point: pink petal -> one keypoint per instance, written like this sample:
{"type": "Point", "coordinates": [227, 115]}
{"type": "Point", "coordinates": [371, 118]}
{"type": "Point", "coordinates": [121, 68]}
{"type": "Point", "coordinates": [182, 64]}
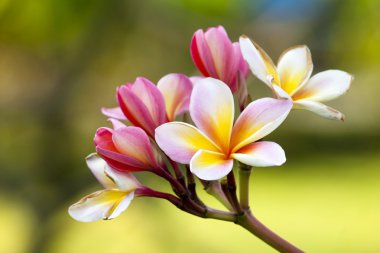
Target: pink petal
{"type": "Point", "coordinates": [133, 142]}
{"type": "Point", "coordinates": [103, 134]}
{"type": "Point", "coordinates": [223, 55]}
{"type": "Point", "coordinates": [115, 113]}
{"type": "Point", "coordinates": [325, 86]}
{"type": "Point", "coordinates": [212, 110]}
{"type": "Point", "coordinates": [180, 141]}
{"type": "Point", "coordinates": [135, 110]}
{"type": "Point", "coordinates": [151, 97]}
{"type": "Point", "coordinates": [259, 119]}
{"type": "Point", "coordinates": [320, 109]}
{"type": "Point", "coordinates": [200, 52]}
{"type": "Point", "coordinates": [261, 154]}
{"type": "Point", "coordinates": [176, 90]}
{"type": "Point", "coordinates": [294, 68]}
{"type": "Point", "coordinates": [209, 165]}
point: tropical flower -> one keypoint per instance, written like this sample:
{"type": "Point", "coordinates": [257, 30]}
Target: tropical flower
{"type": "Point", "coordinates": [291, 78]}
{"type": "Point", "coordinates": [126, 148]}
{"type": "Point", "coordinates": [216, 56]}
{"type": "Point", "coordinates": [147, 106]}
{"type": "Point", "coordinates": [108, 203]}
{"type": "Point", "coordinates": [211, 147]}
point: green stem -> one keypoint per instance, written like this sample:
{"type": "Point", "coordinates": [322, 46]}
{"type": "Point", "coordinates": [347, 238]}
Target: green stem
{"type": "Point", "coordinates": [215, 189]}
{"type": "Point", "coordinates": [244, 175]}
{"type": "Point", "coordinates": [220, 215]}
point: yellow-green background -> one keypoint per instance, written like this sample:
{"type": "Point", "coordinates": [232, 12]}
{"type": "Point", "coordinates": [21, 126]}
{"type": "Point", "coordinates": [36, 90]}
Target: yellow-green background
{"type": "Point", "coordinates": [60, 62]}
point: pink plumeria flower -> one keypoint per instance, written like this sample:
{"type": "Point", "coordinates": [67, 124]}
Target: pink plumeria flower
{"type": "Point", "coordinates": [216, 56]}
{"type": "Point", "coordinates": [147, 106]}
{"type": "Point", "coordinates": [211, 147]}
{"type": "Point", "coordinates": [108, 203]}
{"type": "Point", "coordinates": [291, 78]}
{"type": "Point", "coordinates": [126, 148]}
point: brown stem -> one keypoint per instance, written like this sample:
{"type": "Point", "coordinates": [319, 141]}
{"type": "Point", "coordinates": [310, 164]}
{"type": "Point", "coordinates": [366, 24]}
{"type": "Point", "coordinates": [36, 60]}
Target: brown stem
{"type": "Point", "coordinates": [249, 222]}
{"type": "Point", "coordinates": [231, 184]}
{"type": "Point", "coordinates": [192, 186]}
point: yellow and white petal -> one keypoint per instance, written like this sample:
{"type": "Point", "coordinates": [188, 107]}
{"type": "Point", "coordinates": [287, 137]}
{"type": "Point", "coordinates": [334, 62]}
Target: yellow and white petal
{"type": "Point", "coordinates": [259, 62]}
{"type": "Point", "coordinates": [209, 165]}
{"type": "Point", "coordinates": [124, 181]}
{"type": "Point", "coordinates": [105, 204]}
{"type": "Point", "coordinates": [259, 119]}
{"type": "Point", "coordinates": [98, 166]}
{"type": "Point", "coordinates": [180, 141]}
{"type": "Point", "coordinates": [320, 109]}
{"type": "Point", "coordinates": [261, 154]}
{"type": "Point", "coordinates": [325, 86]}
{"type": "Point", "coordinates": [294, 68]}
{"type": "Point", "coordinates": [212, 110]}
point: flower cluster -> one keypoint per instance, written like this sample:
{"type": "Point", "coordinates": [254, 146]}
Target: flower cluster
{"type": "Point", "coordinates": [186, 126]}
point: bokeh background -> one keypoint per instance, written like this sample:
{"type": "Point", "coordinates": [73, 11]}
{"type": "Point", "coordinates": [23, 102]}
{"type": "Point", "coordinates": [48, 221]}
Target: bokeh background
{"type": "Point", "coordinates": [60, 62]}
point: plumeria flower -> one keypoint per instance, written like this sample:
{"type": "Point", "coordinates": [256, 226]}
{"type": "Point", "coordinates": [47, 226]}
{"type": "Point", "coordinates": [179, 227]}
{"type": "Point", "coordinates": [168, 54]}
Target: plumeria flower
{"type": "Point", "coordinates": [108, 203]}
{"type": "Point", "coordinates": [147, 106]}
{"type": "Point", "coordinates": [291, 78]}
{"type": "Point", "coordinates": [216, 56]}
{"type": "Point", "coordinates": [216, 141]}
{"type": "Point", "coordinates": [126, 148]}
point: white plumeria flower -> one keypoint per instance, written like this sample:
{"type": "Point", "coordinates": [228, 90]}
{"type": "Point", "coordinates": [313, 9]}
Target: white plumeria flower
{"type": "Point", "coordinates": [108, 203]}
{"type": "Point", "coordinates": [291, 78]}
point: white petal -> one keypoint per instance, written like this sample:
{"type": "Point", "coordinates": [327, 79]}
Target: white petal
{"type": "Point", "coordinates": [97, 166]}
{"type": "Point", "coordinates": [320, 109]}
{"type": "Point", "coordinates": [294, 68]}
{"type": "Point", "coordinates": [105, 204]}
{"type": "Point", "coordinates": [325, 86]}
{"type": "Point", "coordinates": [259, 62]}
{"type": "Point", "coordinates": [261, 154]}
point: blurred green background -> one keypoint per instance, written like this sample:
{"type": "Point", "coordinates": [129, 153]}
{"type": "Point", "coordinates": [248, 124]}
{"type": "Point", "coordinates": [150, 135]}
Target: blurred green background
{"type": "Point", "coordinates": [60, 62]}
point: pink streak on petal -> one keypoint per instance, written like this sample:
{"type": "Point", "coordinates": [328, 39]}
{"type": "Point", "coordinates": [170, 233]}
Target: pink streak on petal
{"type": "Point", "coordinates": [151, 97]}
{"type": "Point", "coordinates": [201, 54]}
{"type": "Point", "coordinates": [134, 142]}
{"type": "Point", "coordinates": [116, 123]}
{"type": "Point", "coordinates": [103, 134]}
{"type": "Point", "coordinates": [135, 110]}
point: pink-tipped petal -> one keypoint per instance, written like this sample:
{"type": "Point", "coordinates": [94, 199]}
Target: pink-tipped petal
{"type": "Point", "coordinates": [176, 90]}
{"type": "Point", "coordinates": [103, 134]}
{"type": "Point", "coordinates": [320, 109]}
{"type": "Point", "coordinates": [105, 204]}
{"type": "Point", "coordinates": [115, 113]}
{"type": "Point", "coordinates": [223, 55]}
{"type": "Point", "coordinates": [116, 160]}
{"type": "Point", "coordinates": [209, 165]}
{"type": "Point", "coordinates": [325, 86]}
{"type": "Point", "coordinates": [134, 142]}
{"type": "Point", "coordinates": [180, 141]}
{"type": "Point", "coordinates": [151, 97]}
{"type": "Point", "coordinates": [259, 62]}
{"type": "Point", "coordinates": [135, 110]}
{"type": "Point", "coordinates": [294, 68]}
{"type": "Point", "coordinates": [259, 119]}
{"type": "Point", "coordinates": [261, 154]}
{"type": "Point", "coordinates": [200, 52]}
{"type": "Point", "coordinates": [212, 110]}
